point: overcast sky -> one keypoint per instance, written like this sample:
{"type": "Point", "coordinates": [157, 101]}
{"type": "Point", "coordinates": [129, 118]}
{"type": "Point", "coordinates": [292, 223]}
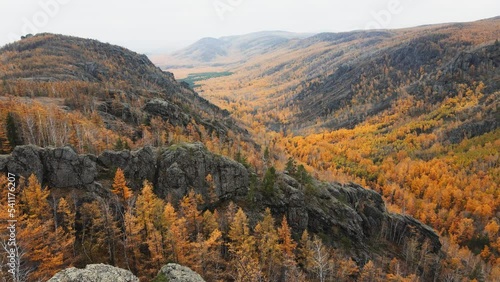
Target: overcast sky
{"type": "Point", "coordinates": [152, 25]}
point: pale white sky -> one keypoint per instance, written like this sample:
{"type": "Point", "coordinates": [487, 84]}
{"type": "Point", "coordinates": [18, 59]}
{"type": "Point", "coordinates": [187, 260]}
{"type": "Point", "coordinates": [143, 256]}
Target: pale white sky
{"type": "Point", "coordinates": [152, 25]}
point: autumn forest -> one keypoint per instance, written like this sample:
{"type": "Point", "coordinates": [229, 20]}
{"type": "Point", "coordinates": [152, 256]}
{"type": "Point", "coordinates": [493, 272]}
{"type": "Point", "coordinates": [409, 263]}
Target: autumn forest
{"type": "Point", "coordinates": [281, 136]}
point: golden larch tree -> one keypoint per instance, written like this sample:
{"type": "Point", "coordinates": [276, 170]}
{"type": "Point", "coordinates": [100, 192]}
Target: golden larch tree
{"type": "Point", "coordinates": [149, 218]}
{"type": "Point", "coordinates": [176, 240]}
{"type": "Point", "coordinates": [242, 248]}
{"type": "Point", "coordinates": [66, 231]}
{"type": "Point", "coordinates": [120, 187]}
{"type": "Point", "coordinates": [189, 210]}
{"type": "Point", "coordinates": [268, 248]}
{"type": "Point", "coordinates": [287, 247]}
{"type": "Point", "coordinates": [36, 227]}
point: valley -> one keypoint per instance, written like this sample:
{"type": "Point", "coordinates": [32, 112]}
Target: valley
{"type": "Point", "coordinates": [271, 156]}
{"type": "Point", "coordinates": [412, 113]}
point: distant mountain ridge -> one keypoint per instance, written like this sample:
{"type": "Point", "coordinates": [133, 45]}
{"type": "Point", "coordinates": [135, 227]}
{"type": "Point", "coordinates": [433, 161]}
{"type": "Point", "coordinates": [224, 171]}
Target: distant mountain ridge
{"type": "Point", "coordinates": [386, 103]}
{"type": "Point", "coordinates": [325, 75]}
{"type": "Point", "coordinates": [230, 49]}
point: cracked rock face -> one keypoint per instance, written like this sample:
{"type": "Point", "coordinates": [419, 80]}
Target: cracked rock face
{"type": "Point", "coordinates": [26, 160]}
{"type": "Point", "coordinates": [290, 200]}
{"type": "Point", "coordinates": [94, 273]}
{"type": "Point", "coordinates": [65, 168]}
{"type": "Point", "coordinates": [353, 217]}
{"type": "Point", "coordinates": [173, 171]}
{"type": "Point", "coordinates": [57, 167]}
{"type": "Point", "coordinates": [166, 110]}
{"type": "Point", "coordinates": [137, 165]}
{"type": "Point", "coordinates": [185, 167]}
{"type": "Point", "coordinates": [349, 214]}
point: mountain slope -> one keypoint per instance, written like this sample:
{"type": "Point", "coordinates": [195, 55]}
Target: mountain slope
{"type": "Point", "coordinates": [204, 50]}
{"type": "Point", "coordinates": [324, 77]}
{"type": "Point", "coordinates": [48, 57]}
{"type": "Point", "coordinates": [413, 113]}
{"type": "Point", "coordinates": [350, 218]}
{"type": "Point", "coordinates": [111, 85]}
{"type": "Point", "coordinates": [167, 200]}
{"type": "Point", "coordinates": [420, 61]}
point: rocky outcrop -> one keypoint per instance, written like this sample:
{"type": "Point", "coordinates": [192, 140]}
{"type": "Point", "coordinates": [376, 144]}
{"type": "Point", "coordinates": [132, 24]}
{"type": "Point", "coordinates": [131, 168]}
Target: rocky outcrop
{"type": "Point", "coordinates": [94, 273]}
{"type": "Point", "coordinates": [137, 165]}
{"type": "Point", "coordinates": [177, 273]}
{"type": "Point", "coordinates": [63, 167]}
{"type": "Point", "coordinates": [56, 167]}
{"type": "Point", "coordinates": [25, 160]}
{"type": "Point", "coordinates": [174, 170]}
{"type": "Point", "coordinates": [289, 200]}
{"type": "Point", "coordinates": [181, 168]}
{"type": "Point", "coordinates": [167, 111]}
{"type": "Point", "coordinates": [376, 223]}
{"type": "Point", "coordinates": [350, 216]}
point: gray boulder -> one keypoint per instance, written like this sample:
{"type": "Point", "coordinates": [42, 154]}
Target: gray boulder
{"type": "Point", "coordinates": [56, 167]}
{"type": "Point", "coordinates": [4, 160]}
{"type": "Point", "coordinates": [94, 273]}
{"type": "Point", "coordinates": [177, 273]}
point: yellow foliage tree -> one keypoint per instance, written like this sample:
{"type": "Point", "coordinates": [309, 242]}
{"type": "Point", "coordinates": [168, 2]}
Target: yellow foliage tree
{"type": "Point", "coordinates": [37, 230]}
{"type": "Point", "coordinates": [370, 273]}
{"type": "Point", "coordinates": [149, 213]}
{"type": "Point", "coordinates": [120, 187]}
{"type": "Point", "coordinates": [287, 247]}
{"type": "Point", "coordinates": [242, 248]}
{"type": "Point", "coordinates": [189, 210]}
{"type": "Point", "coordinates": [66, 231]}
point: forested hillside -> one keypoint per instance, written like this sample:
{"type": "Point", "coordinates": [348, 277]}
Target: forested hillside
{"type": "Point", "coordinates": [58, 90]}
{"type": "Point", "coordinates": [116, 162]}
{"type": "Point", "coordinates": [412, 113]}
{"type": "Point", "coordinates": [141, 209]}
{"type": "Point", "coordinates": [253, 179]}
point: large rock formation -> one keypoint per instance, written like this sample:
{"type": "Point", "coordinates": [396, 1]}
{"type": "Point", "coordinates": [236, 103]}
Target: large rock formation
{"type": "Point", "coordinates": [349, 216]}
{"type": "Point", "coordinates": [185, 167]}
{"type": "Point", "coordinates": [177, 273]}
{"type": "Point", "coordinates": [137, 165]}
{"type": "Point", "coordinates": [25, 160]}
{"type": "Point", "coordinates": [64, 168]}
{"type": "Point", "coordinates": [94, 273]}
{"type": "Point", "coordinates": [174, 170]}
{"type": "Point", "coordinates": [352, 217]}
{"type": "Point", "coordinates": [56, 167]}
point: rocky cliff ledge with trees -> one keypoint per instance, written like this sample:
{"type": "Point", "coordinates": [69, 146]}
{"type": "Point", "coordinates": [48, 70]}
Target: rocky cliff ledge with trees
{"type": "Point", "coordinates": [141, 209]}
